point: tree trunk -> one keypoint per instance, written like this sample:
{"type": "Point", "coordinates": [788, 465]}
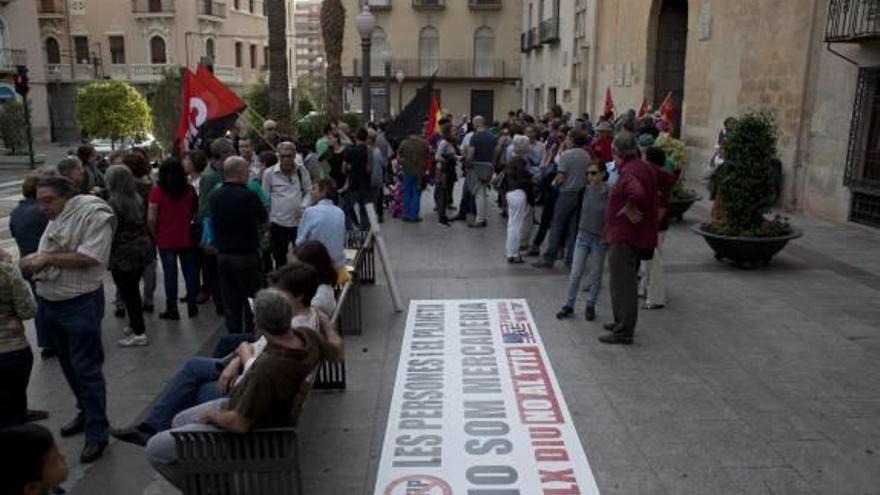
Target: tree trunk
{"type": "Point", "coordinates": [333, 29]}
{"type": "Point", "coordinates": [279, 90]}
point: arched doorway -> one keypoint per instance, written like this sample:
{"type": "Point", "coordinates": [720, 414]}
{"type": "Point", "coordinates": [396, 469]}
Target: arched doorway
{"type": "Point", "coordinates": [670, 50]}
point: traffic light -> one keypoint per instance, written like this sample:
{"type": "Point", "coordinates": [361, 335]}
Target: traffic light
{"type": "Point", "coordinates": [21, 80]}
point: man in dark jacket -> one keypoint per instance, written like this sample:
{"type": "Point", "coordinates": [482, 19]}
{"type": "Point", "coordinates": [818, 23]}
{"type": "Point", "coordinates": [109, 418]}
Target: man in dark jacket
{"type": "Point", "coordinates": [236, 214]}
{"type": "Point", "coordinates": [631, 233]}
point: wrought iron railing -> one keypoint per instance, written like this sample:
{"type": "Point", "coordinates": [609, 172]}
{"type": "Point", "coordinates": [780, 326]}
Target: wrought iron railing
{"type": "Point", "coordinates": [550, 30]}
{"type": "Point", "coordinates": [146, 7]}
{"type": "Point", "coordinates": [212, 8]}
{"type": "Point", "coordinates": [850, 20]}
{"type": "Point", "coordinates": [429, 4]}
{"type": "Point", "coordinates": [485, 4]}
{"type": "Point", "coordinates": [534, 40]}
{"type": "Point", "coordinates": [450, 68]}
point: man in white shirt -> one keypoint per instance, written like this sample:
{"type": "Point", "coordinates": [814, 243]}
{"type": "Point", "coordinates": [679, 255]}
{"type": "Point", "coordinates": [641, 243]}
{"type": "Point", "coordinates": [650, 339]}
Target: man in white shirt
{"type": "Point", "coordinates": [288, 186]}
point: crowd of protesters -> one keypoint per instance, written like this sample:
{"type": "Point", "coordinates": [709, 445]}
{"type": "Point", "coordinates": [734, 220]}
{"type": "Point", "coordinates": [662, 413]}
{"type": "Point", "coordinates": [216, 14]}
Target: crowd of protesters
{"type": "Point", "coordinates": [251, 211]}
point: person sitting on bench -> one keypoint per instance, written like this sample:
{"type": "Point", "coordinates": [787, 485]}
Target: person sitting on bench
{"type": "Point", "coordinates": [265, 396]}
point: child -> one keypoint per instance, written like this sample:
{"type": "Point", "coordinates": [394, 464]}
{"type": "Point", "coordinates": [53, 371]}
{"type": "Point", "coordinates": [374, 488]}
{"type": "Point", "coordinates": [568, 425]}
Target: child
{"type": "Point", "coordinates": [30, 463]}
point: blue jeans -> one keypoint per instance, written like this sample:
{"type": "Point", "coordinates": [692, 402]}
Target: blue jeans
{"type": "Point", "coordinates": [566, 213]}
{"type": "Point", "coordinates": [195, 383]}
{"type": "Point", "coordinates": [412, 197]}
{"type": "Point", "coordinates": [229, 343]}
{"type": "Point", "coordinates": [75, 325]}
{"type": "Point", "coordinates": [587, 247]}
{"type": "Point", "coordinates": [169, 259]}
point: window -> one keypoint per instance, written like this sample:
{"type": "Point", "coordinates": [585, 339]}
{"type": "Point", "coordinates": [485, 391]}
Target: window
{"type": "Point", "coordinates": [266, 56]}
{"type": "Point", "coordinates": [531, 16]}
{"type": "Point", "coordinates": [429, 48]}
{"type": "Point", "coordinates": [209, 49]}
{"type": "Point", "coordinates": [484, 52]}
{"type": "Point", "coordinates": [379, 43]}
{"type": "Point", "coordinates": [238, 55]}
{"type": "Point", "coordinates": [53, 51]}
{"type": "Point", "coordinates": [117, 49]}
{"type": "Point", "coordinates": [157, 51]}
{"type": "Point", "coordinates": [81, 49]}
{"type": "Point", "coordinates": [251, 6]}
{"type": "Point", "coordinates": [540, 10]}
{"type": "Point", "coordinates": [236, 4]}
{"type": "Point", "coordinates": [253, 56]}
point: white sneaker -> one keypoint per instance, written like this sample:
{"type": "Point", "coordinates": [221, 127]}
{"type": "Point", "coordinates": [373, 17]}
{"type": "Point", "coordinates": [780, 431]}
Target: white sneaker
{"type": "Point", "coordinates": [133, 341]}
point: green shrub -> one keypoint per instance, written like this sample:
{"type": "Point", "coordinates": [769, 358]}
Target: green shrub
{"type": "Point", "coordinates": [12, 127]}
{"type": "Point", "coordinates": [112, 110]}
{"type": "Point", "coordinates": [311, 129]}
{"type": "Point", "coordinates": [748, 183]}
{"type": "Point", "coordinates": [164, 100]}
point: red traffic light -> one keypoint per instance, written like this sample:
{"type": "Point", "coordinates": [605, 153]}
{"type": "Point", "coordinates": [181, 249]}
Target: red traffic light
{"type": "Point", "coordinates": [21, 81]}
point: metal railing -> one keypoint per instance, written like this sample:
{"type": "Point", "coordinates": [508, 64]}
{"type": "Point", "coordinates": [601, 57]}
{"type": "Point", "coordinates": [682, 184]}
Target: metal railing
{"type": "Point", "coordinates": [10, 58]}
{"type": "Point", "coordinates": [377, 4]}
{"type": "Point", "coordinates": [429, 4]}
{"type": "Point", "coordinates": [450, 68]}
{"type": "Point", "coordinates": [534, 41]}
{"type": "Point", "coordinates": [549, 30]}
{"type": "Point", "coordinates": [212, 8]}
{"type": "Point", "coordinates": [485, 4]}
{"type": "Point", "coordinates": [146, 7]}
{"type": "Point", "coordinates": [850, 20]}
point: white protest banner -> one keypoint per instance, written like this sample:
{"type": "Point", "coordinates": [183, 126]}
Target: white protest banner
{"type": "Point", "coordinates": [477, 409]}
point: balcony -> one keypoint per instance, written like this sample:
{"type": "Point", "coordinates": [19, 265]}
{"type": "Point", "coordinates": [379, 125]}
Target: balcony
{"type": "Point", "coordinates": [61, 72]}
{"type": "Point", "coordinates": [484, 4]}
{"type": "Point", "coordinates": [377, 4]}
{"type": "Point", "coordinates": [429, 4]}
{"type": "Point", "coordinates": [10, 59]}
{"type": "Point", "coordinates": [534, 41]}
{"type": "Point", "coordinates": [211, 10]}
{"type": "Point", "coordinates": [50, 9]}
{"type": "Point", "coordinates": [852, 20]}
{"type": "Point", "coordinates": [152, 8]}
{"type": "Point", "coordinates": [529, 40]}
{"type": "Point", "coordinates": [549, 30]}
{"type": "Point", "coordinates": [460, 69]}
{"type": "Point", "coordinates": [239, 75]}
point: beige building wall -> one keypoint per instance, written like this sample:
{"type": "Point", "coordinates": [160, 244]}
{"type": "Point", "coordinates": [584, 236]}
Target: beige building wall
{"type": "Point", "coordinates": [561, 67]}
{"type": "Point", "coordinates": [19, 31]}
{"type": "Point", "coordinates": [744, 55]}
{"type": "Point", "coordinates": [456, 24]}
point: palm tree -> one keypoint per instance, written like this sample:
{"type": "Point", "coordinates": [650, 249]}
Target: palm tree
{"type": "Point", "coordinates": [279, 90]}
{"type": "Point", "coordinates": [333, 29]}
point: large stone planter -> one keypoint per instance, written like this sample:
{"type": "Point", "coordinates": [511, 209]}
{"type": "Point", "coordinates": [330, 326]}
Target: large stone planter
{"type": "Point", "coordinates": [746, 252]}
{"type": "Point", "coordinates": [679, 206]}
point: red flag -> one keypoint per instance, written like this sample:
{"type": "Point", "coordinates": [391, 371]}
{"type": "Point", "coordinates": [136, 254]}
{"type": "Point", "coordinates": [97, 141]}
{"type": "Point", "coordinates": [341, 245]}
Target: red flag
{"type": "Point", "coordinates": [434, 116]}
{"type": "Point", "coordinates": [208, 107]}
{"type": "Point", "coordinates": [667, 110]}
{"type": "Point", "coordinates": [645, 108]}
{"type": "Point", "coordinates": [609, 101]}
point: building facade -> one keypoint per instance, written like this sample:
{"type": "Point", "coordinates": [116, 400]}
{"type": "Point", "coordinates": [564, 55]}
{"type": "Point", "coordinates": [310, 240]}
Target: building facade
{"type": "Point", "coordinates": [137, 40]}
{"type": "Point", "coordinates": [308, 45]}
{"type": "Point", "coordinates": [471, 45]}
{"type": "Point", "coordinates": [813, 63]}
{"type": "Point", "coordinates": [556, 55]}
{"type": "Point", "coordinates": [20, 45]}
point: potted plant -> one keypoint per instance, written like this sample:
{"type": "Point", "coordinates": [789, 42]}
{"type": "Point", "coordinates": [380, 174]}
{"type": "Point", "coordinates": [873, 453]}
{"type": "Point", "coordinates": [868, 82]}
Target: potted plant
{"type": "Point", "coordinates": [747, 186]}
{"type": "Point", "coordinates": [681, 198]}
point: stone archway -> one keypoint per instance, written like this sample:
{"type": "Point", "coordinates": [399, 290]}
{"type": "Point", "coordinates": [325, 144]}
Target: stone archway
{"type": "Point", "coordinates": [667, 50]}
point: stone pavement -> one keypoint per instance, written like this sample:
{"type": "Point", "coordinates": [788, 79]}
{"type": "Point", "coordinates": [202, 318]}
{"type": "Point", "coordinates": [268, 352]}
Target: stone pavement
{"type": "Point", "coordinates": [749, 382]}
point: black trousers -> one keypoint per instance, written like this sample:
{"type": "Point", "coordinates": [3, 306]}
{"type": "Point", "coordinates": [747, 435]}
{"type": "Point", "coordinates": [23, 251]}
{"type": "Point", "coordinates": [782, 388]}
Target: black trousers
{"type": "Point", "coordinates": [210, 279]}
{"type": "Point", "coordinates": [128, 283]}
{"type": "Point", "coordinates": [548, 195]}
{"type": "Point", "coordinates": [623, 261]}
{"type": "Point", "coordinates": [280, 240]}
{"type": "Point", "coordinates": [240, 278]}
{"type": "Point", "coordinates": [15, 372]}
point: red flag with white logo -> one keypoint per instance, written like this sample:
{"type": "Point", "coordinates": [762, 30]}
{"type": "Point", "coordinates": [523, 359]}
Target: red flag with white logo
{"type": "Point", "coordinates": [209, 109]}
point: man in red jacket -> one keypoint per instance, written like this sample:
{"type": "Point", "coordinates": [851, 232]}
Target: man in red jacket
{"type": "Point", "coordinates": [631, 233]}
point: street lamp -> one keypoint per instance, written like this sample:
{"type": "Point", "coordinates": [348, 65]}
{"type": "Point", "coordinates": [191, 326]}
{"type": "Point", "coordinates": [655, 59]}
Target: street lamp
{"type": "Point", "coordinates": [399, 77]}
{"type": "Point", "coordinates": [365, 22]}
{"type": "Point", "coordinates": [386, 59]}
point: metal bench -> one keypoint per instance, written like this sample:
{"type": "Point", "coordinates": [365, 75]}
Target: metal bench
{"type": "Point", "coordinates": [264, 461]}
